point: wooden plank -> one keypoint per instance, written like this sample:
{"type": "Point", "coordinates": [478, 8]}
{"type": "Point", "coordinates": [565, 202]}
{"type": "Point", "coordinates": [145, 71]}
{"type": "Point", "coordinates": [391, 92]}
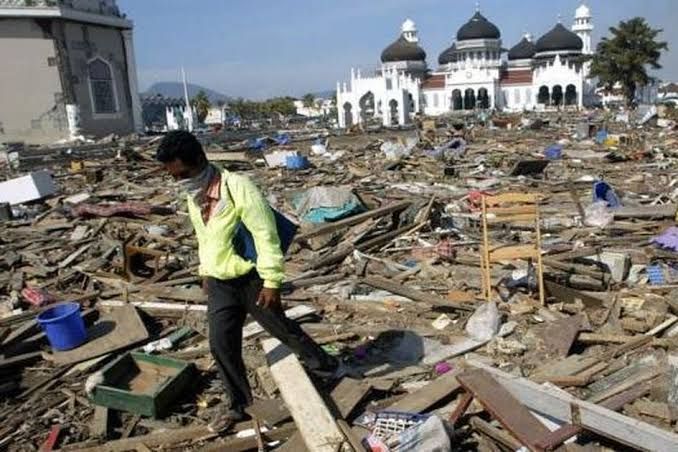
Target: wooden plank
{"type": "Point", "coordinates": [513, 210]}
{"type": "Point", "coordinates": [313, 419]}
{"type": "Point", "coordinates": [348, 394]}
{"type": "Point", "coordinates": [29, 328]}
{"type": "Point", "coordinates": [647, 212]}
{"type": "Point", "coordinates": [615, 403]}
{"type": "Point", "coordinates": [559, 336]}
{"type": "Point", "coordinates": [116, 330]}
{"type": "Point", "coordinates": [461, 408]}
{"type": "Point", "coordinates": [101, 422]}
{"type": "Point", "coordinates": [424, 398]}
{"type": "Point", "coordinates": [640, 376]}
{"type": "Point", "coordinates": [503, 198]}
{"type": "Point", "coordinates": [413, 294]}
{"type": "Point", "coordinates": [595, 338]}
{"type": "Point", "coordinates": [568, 295]}
{"type": "Point", "coordinates": [355, 219]}
{"type": "Point", "coordinates": [504, 407]}
{"type": "Point", "coordinates": [20, 360]}
{"type": "Point", "coordinates": [351, 437]}
{"type": "Point", "coordinates": [514, 252]}
{"type": "Point", "coordinates": [568, 409]}
{"type": "Point", "coordinates": [497, 435]}
{"type": "Point", "coordinates": [514, 218]}
{"type": "Point", "coordinates": [164, 438]}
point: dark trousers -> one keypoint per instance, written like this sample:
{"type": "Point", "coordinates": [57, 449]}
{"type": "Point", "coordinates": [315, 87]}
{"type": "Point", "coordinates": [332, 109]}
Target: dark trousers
{"type": "Point", "coordinates": [229, 302]}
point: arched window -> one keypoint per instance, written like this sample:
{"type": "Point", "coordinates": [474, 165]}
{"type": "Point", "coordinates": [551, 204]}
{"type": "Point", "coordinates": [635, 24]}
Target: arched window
{"type": "Point", "coordinates": [102, 87]}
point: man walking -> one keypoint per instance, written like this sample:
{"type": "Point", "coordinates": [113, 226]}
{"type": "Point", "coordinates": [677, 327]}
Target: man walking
{"type": "Point", "coordinates": [217, 202]}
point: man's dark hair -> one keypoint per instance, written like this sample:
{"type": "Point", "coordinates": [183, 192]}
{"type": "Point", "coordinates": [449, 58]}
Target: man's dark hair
{"type": "Point", "coordinates": [181, 145]}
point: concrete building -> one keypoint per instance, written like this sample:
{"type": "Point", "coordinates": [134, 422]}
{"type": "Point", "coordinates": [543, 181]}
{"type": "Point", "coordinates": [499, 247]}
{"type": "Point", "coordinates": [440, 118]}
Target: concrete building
{"type": "Point", "coordinates": [472, 74]}
{"type": "Point", "coordinates": [68, 69]}
{"type": "Point", "coordinates": [217, 115]}
{"type": "Point", "coordinates": [320, 107]}
{"type": "Point", "coordinates": [163, 114]}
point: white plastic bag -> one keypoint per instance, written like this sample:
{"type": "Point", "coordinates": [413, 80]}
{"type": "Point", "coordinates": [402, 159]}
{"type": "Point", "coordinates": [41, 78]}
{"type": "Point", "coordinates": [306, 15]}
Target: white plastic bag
{"type": "Point", "coordinates": [598, 215]}
{"type": "Point", "coordinates": [484, 324]}
{"type": "Point", "coordinates": [430, 436]}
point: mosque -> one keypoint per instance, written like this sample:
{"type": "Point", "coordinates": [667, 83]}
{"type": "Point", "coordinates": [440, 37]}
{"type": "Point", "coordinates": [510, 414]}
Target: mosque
{"type": "Point", "coordinates": [473, 74]}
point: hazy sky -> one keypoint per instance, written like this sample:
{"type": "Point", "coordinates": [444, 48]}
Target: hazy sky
{"type": "Point", "coordinates": [264, 48]}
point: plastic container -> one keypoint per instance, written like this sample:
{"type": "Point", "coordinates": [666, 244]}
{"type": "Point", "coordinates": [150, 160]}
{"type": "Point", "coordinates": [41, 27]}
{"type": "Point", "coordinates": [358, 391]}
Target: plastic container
{"type": "Point", "coordinates": [296, 162]}
{"type": "Point", "coordinates": [63, 326]}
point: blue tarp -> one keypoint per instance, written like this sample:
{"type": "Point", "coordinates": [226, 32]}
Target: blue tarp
{"type": "Point", "coordinates": [282, 139]}
{"type": "Point", "coordinates": [257, 143]}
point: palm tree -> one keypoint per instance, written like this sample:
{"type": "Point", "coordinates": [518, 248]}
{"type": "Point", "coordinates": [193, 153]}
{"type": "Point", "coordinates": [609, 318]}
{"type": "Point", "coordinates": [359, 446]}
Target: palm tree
{"type": "Point", "coordinates": [308, 100]}
{"type": "Point", "coordinates": [201, 103]}
{"type": "Point", "coordinates": [624, 57]}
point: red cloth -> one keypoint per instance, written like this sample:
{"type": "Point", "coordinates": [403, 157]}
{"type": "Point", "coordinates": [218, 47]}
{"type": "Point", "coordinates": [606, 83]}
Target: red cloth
{"type": "Point", "coordinates": [475, 198]}
{"type": "Point", "coordinates": [37, 297]}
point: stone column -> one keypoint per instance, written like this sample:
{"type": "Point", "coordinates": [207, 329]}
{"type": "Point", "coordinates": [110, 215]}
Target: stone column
{"type": "Point", "coordinates": [132, 80]}
{"type": "Point", "coordinates": [73, 118]}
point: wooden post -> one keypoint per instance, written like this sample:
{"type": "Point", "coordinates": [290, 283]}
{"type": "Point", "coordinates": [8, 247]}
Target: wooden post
{"type": "Point", "coordinates": [540, 265]}
{"type": "Point", "coordinates": [485, 256]}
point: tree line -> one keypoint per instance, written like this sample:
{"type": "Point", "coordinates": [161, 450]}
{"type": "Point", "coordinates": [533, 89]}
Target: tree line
{"type": "Point", "coordinates": [245, 109]}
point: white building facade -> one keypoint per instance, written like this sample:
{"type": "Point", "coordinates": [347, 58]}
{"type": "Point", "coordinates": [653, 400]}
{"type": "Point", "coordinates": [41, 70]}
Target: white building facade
{"type": "Point", "coordinates": [472, 74]}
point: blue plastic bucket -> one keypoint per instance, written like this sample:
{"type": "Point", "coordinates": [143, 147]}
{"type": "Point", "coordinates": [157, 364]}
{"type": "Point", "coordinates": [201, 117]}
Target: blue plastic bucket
{"type": "Point", "coordinates": [297, 162]}
{"type": "Point", "coordinates": [63, 326]}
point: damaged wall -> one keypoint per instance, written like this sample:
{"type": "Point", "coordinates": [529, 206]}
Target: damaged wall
{"type": "Point", "coordinates": [46, 67]}
{"type": "Point", "coordinates": [84, 43]}
{"type": "Point", "coordinates": [30, 86]}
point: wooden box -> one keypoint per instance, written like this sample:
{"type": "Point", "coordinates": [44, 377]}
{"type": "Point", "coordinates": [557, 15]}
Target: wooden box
{"type": "Point", "coordinates": [142, 384]}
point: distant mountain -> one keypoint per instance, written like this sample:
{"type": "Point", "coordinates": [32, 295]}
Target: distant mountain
{"type": "Point", "coordinates": [176, 89]}
{"type": "Point", "coordinates": [325, 94]}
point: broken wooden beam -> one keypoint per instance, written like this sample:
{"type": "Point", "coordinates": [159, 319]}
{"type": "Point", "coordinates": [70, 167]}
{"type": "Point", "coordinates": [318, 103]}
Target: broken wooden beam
{"type": "Point", "coordinates": [504, 407]}
{"type": "Point", "coordinates": [312, 417]}
{"type": "Point", "coordinates": [615, 403]}
{"type": "Point", "coordinates": [496, 434]}
{"type": "Point", "coordinates": [566, 408]}
{"type": "Point", "coordinates": [424, 398]}
{"type": "Point", "coordinates": [413, 294]}
{"type": "Point", "coordinates": [164, 438]}
{"type": "Point", "coordinates": [595, 338]}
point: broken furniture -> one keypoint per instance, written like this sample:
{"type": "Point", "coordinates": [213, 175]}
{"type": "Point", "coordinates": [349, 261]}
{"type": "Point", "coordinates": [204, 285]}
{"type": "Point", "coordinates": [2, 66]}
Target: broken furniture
{"type": "Point", "coordinates": [142, 384]}
{"type": "Point", "coordinates": [135, 262]}
{"type": "Point", "coordinates": [510, 208]}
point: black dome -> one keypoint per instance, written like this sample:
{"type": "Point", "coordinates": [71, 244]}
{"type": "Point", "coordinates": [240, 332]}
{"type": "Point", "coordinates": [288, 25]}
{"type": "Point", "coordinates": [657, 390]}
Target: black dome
{"type": "Point", "coordinates": [478, 27]}
{"type": "Point", "coordinates": [523, 50]}
{"type": "Point", "coordinates": [559, 39]}
{"type": "Point", "coordinates": [448, 55]}
{"type": "Point", "coordinates": [403, 50]}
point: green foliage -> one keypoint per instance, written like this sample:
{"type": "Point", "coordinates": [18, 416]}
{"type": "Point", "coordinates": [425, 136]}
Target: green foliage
{"type": "Point", "coordinates": [201, 103]}
{"type": "Point", "coordinates": [248, 109]}
{"type": "Point", "coordinates": [308, 100]}
{"type": "Point", "coordinates": [625, 56]}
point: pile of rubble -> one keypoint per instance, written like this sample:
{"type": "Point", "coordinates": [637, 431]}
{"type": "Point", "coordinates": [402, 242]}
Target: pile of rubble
{"type": "Point", "coordinates": [390, 272]}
